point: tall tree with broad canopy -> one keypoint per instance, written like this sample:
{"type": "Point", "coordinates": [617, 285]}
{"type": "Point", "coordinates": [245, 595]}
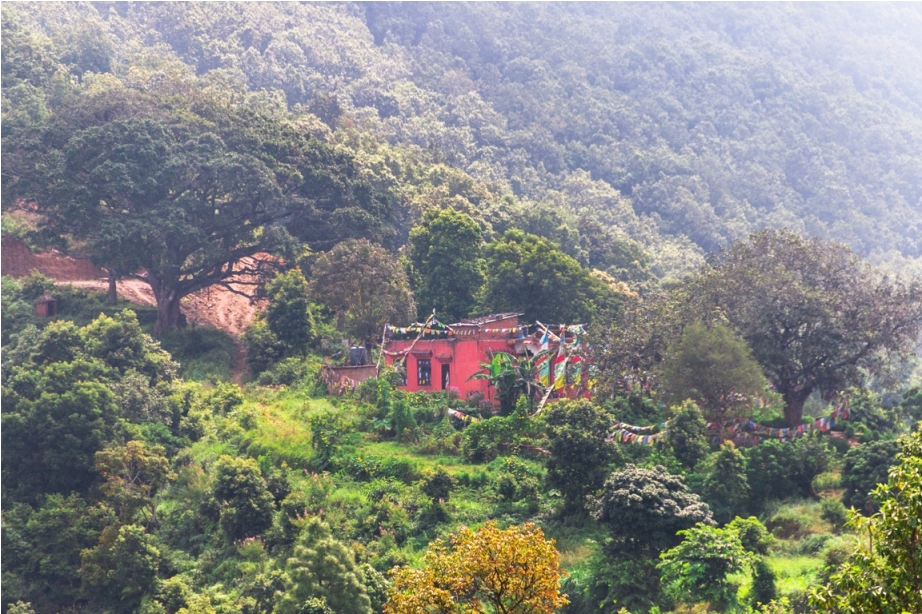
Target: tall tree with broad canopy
{"type": "Point", "coordinates": [815, 315]}
{"type": "Point", "coordinates": [715, 368]}
{"type": "Point", "coordinates": [364, 286]}
{"type": "Point", "coordinates": [187, 187]}
{"type": "Point", "coordinates": [446, 262]}
{"type": "Point", "coordinates": [530, 274]}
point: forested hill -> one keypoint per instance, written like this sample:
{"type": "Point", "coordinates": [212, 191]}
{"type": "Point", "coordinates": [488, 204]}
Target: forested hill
{"type": "Point", "coordinates": [682, 126]}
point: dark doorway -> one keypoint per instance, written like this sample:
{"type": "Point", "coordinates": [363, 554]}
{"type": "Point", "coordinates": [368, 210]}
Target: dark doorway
{"type": "Point", "coordinates": [445, 377]}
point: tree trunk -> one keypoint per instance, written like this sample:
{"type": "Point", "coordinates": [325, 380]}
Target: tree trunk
{"type": "Point", "coordinates": [169, 317]}
{"type": "Point", "coordinates": [112, 295]}
{"type": "Point", "coordinates": [794, 405]}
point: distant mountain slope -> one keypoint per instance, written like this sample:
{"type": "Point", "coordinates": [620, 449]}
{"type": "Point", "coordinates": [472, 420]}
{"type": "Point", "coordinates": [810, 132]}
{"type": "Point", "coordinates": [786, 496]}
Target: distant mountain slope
{"type": "Point", "coordinates": [682, 125]}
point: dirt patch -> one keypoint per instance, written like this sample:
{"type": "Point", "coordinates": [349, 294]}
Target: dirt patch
{"type": "Point", "coordinates": [17, 260]}
{"type": "Point", "coordinates": [216, 306]}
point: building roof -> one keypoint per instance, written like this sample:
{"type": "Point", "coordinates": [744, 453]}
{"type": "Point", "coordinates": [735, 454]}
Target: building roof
{"type": "Point", "coordinates": [493, 317]}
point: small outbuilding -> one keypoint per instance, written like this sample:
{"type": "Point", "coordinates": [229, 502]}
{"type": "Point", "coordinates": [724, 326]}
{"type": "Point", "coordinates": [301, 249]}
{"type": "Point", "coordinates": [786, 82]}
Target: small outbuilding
{"type": "Point", "coordinates": [46, 306]}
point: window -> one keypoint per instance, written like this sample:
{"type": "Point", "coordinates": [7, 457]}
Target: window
{"type": "Point", "coordinates": [424, 372]}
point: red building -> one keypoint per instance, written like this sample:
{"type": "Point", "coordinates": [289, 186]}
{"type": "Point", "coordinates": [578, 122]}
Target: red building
{"type": "Point", "coordinates": [439, 357]}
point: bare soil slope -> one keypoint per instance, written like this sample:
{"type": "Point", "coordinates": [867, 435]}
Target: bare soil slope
{"type": "Point", "coordinates": [213, 306]}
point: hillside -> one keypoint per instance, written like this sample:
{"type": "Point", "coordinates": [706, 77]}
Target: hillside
{"type": "Point", "coordinates": [519, 308]}
{"type": "Point", "coordinates": [683, 127]}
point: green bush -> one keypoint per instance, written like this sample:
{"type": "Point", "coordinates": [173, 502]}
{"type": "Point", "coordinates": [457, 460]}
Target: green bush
{"type": "Point", "coordinates": [515, 480]}
{"type": "Point", "coordinates": [764, 590]}
{"type": "Point", "coordinates": [865, 467]}
{"type": "Point", "coordinates": [811, 544]}
{"type": "Point", "coordinates": [437, 485]}
{"type": "Point", "coordinates": [834, 512]}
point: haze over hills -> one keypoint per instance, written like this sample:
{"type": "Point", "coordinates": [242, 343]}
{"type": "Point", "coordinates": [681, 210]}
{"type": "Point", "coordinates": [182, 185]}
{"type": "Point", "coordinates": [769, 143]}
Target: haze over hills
{"type": "Point", "coordinates": [680, 126]}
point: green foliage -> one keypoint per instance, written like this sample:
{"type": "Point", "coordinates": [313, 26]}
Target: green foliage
{"type": "Point", "coordinates": [325, 568]}
{"type": "Point", "coordinates": [446, 263]}
{"type": "Point", "coordinates": [241, 499]}
{"type": "Point", "coordinates": [263, 348]}
{"type": "Point", "coordinates": [725, 487]}
{"type": "Point", "coordinates": [122, 568]}
{"type": "Point", "coordinates": [18, 312]}
{"type": "Point", "coordinates": [834, 512]}
{"type": "Point", "coordinates": [764, 590]}
{"type": "Point", "coordinates": [622, 582]}
{"type": "Point", "coordinates": [485, 440]}
{"type": "Point", "coordinates": [151, 181]}
{"type": "Point", "coordinates": [327, 430]}
{"type": "Point", "coordinates": [865, 467]}
{"type": "Point", "coordinates": [783, 470]}
{"type": "Point", "coordinates": [529, 274]}
{"type": "Point", "coordinates": [288, 314]}
{"type": "Point", "coordinates": [753, 535]}
{"type": "Point", "coordinates": [437, 485]}
{"type": "Point", "coordinates": [688, 435]}
{"type": "Point", "coordinates": [912, 404]}
{"type": "Point", "coordinates": [402, 420]}
{"type": "Point", "coordinates": [516, 379]}
{"type": "Point", "coordinates": [810, 281]}
{"type": "Point", "coordinates": [516, 481]}
{"type": "Point", "coordinates": [363, 286]}
{"type": "Point", "coordinates": [698, 568]}
{"type": "Point", "coordinates": [581, 458]}
{"type": "Point", "coordinates": [715, 368]}
{"type": "Point", "coordinates": [868, 420]}
{"type": "Point", "coordinates": [645, 508]}
{"type": "Point", "coordinates": [884, 574]}
{"type": "Point", "coordinates": [55, 418]}
{"type": "Point", "coordinates": [204, 354]}
{"type": "Point", "coordinates": [42, 548]}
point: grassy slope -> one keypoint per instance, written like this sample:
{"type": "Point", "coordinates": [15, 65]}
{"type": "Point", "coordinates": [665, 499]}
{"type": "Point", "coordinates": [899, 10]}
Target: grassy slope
{"type": "Point", "coordinates": [282, 429]}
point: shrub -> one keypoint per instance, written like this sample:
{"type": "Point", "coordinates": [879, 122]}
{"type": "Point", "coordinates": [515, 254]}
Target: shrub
{"type": "Point", "coordinates": [437, 485]}
{"type": "Point", "coordinates": [580, 457]}
{"type": "Point", "coordinates": [865, 467]}
{"type": "Point", "coordinates": [726, 488]}
{"type": "Point", "coordinates": [263, 348]}
{"type": "Point", "coordinates": [516, 481]}
{"type": "Point", "coordinates": [834, 512]}
{"type": "Point", "coordinates": [688, 435]}
{"type": "Point", "coordinates": [753, 535]}
{"type": "Point", "coordinates": [764, 590]}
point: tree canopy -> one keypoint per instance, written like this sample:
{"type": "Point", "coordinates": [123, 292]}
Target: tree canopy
{"type": "Point", "coordinates": [445, 257]}
{"type": "Point", "coordinates": [515, 570]}
{"type": "Point", "coordinates": [187, 188]}
{"type": "Point", "coordinates": [814, 314]}
{"type": "Point", "coordinates": [363, 286]}
{"type": "Point", "coordinates": [530, 274]}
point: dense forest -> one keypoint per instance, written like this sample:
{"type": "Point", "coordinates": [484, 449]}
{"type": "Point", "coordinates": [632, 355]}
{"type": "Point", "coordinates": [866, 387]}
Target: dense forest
{"type": "Point", "coordinates": [727, 198]}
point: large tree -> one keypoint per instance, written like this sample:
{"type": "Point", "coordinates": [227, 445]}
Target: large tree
{"type": "Point", "coordinates": [531, 274]}
{"type": "Point", "coordinates": [447, 266]}
{"type": "Point", "coordinates": [815, 315]}
{"type": "Point", "coordinates": [715, 368]}
{"type": "Point", "coordinates": [184, 189]}
{"type": "Point", "coordinates": [364, 286]}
